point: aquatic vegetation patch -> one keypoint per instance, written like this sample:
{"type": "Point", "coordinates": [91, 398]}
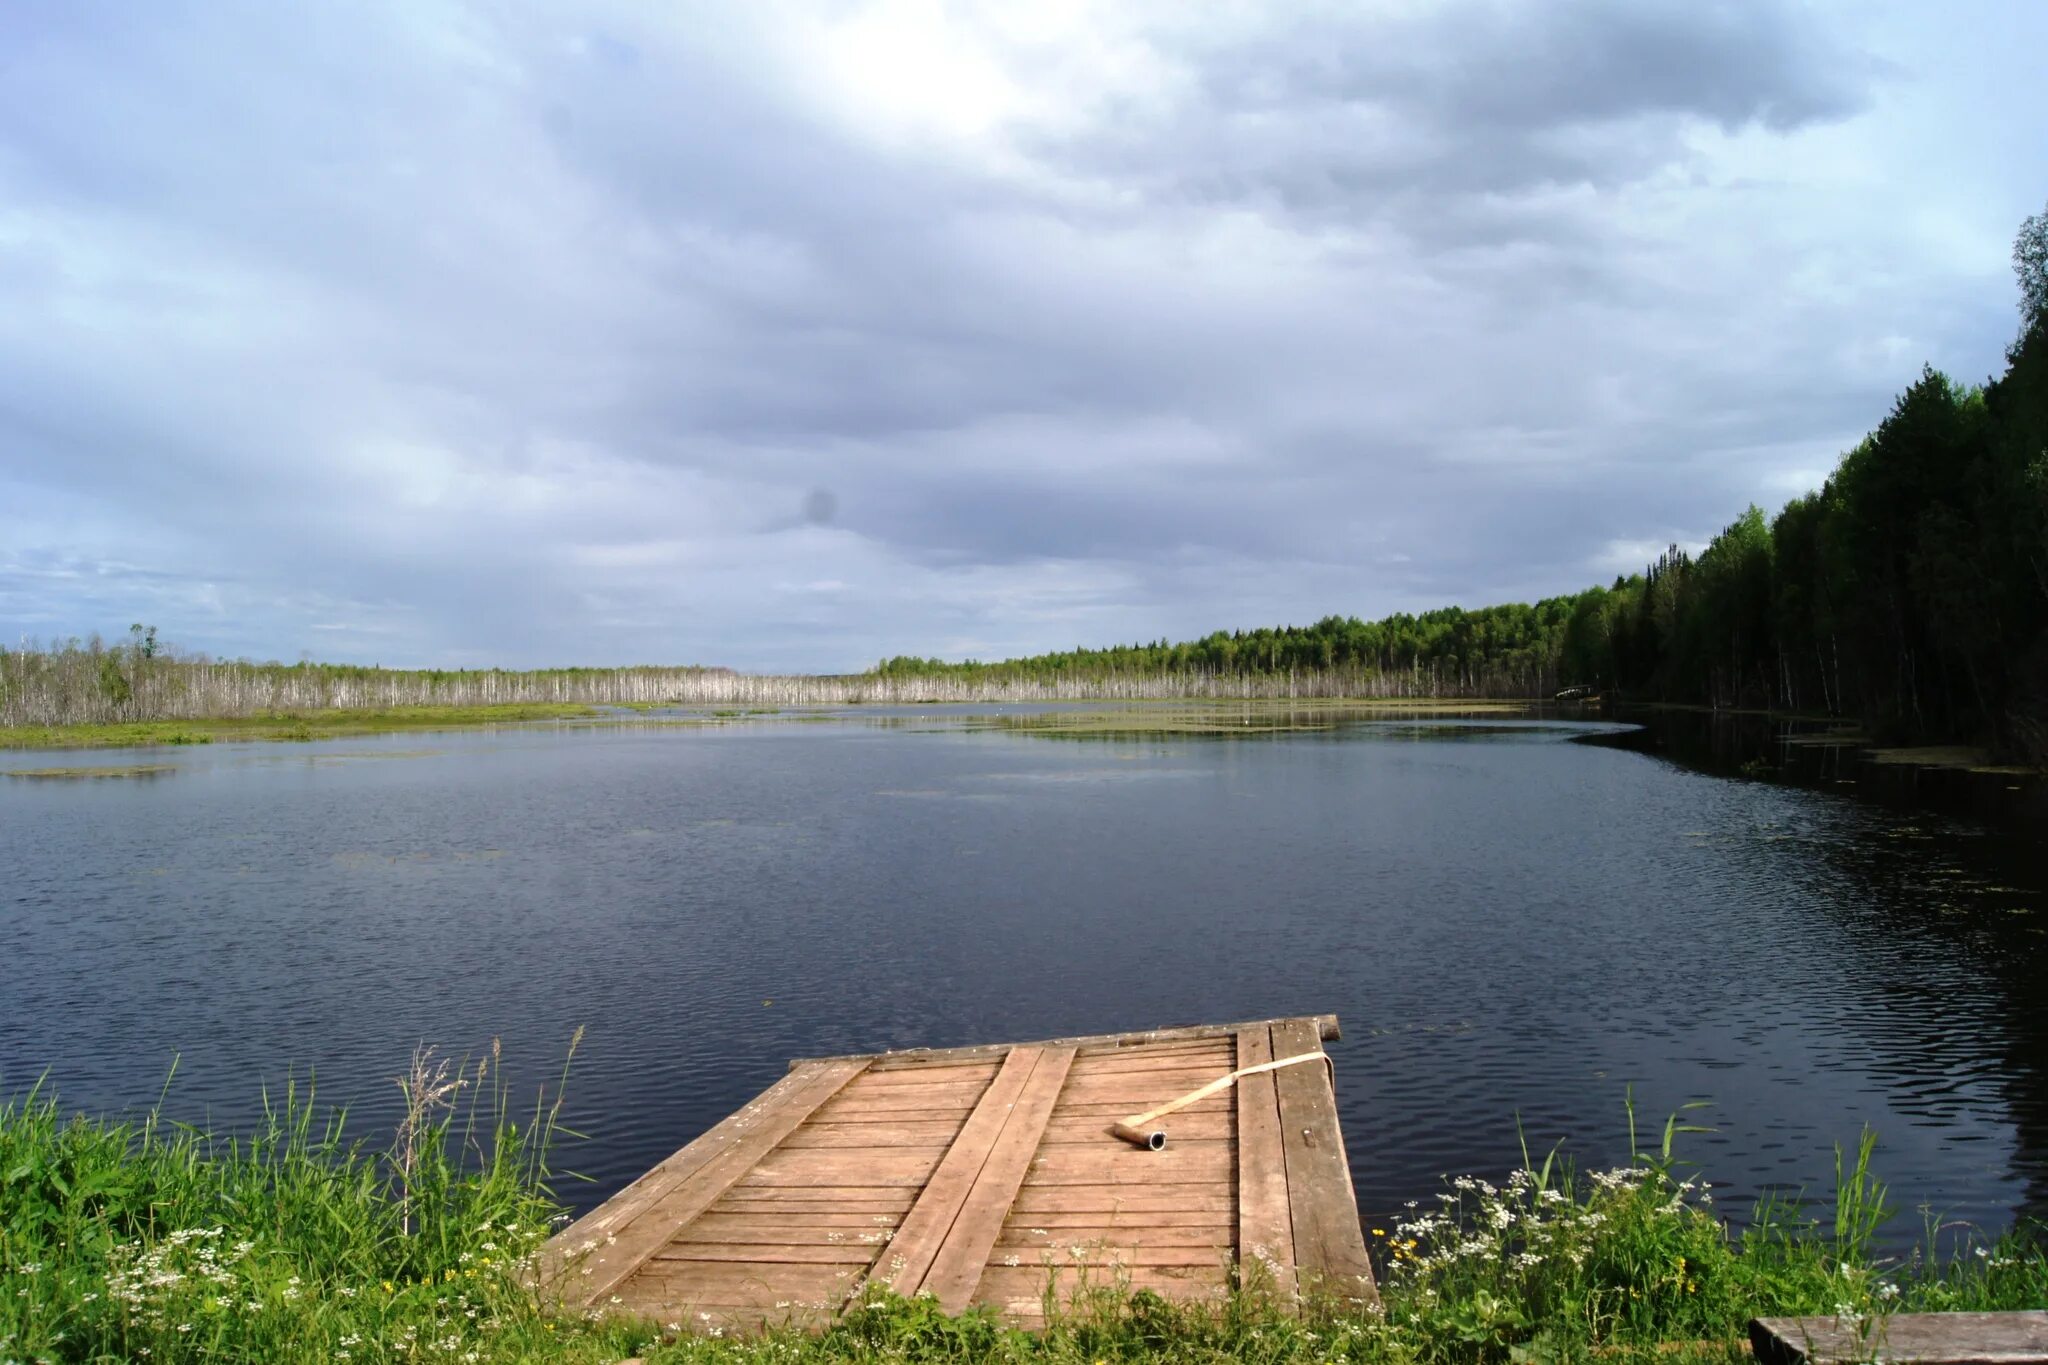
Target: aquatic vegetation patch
{"type": "Point", "coordinates": [300, 726]}
{"type": "Point", "coordinates": [1142, 720]}
{"type": "Point", "coordinates": [91, 772]}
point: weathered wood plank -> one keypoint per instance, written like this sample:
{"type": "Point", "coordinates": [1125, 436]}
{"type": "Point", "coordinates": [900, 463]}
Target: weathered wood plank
{"type": "Point", "coordinates": [845, 1198]}
{"type": "Point", "coordinates": [953, 1073]}
{"type": "Point", "coordinates": [851, 1229]}
{"type": "Point", "coordinates": [1128, 1220]}
{"type": "Point", "coordinates": [836, 1218]}
{"type": "Point", "coordinates": [1212, 1061]}
{"type": "Point", "coordinates": [773, 1253]}
{"type": "Point", "coordinates": [917, 1133]}
{"type": "Point", "coordinates": [1265, 1220]}
{"type": "Point", "coordinates": [1119, 1163]}
{"type": "Point", "coordinates": [946, 1095]}
{"type": "Point", "coordinates": [693, 1186]}
{"type": "Point", "coordinates": [1329, 1244]}
{"type": "Point", "coordinates": [958, 1267]}
{"type": "Point", "coordinates": [1070, 1255]}
{"type": "Point", "coordinates": [1186, 1125]}
{"type": "Point", "coordinates": [953, 1114]}
{"type": "Point", "coordinates": [924, 1231]}
{"type": "Point", "coordinates": [1113, 1107]}
{"type": "Point", "coordinates": [1144, 1090]}
{"type": "Point", "coordinates": [1107, 1098]}
{"type": "Point", "coordinates": [840, 1167]}
{"type": "Point", "coordinates": [2018, 1338]}
{"type": "Point", "coordinates": [682, 1287]}
{"type": "Point", "coordinates": [1325, 1025]}
{"type": "Point", "coordinates": [1022, 1290]}
{"type": "Point", "coordinates": [1212, 1197]}
{"type": "Point", "coordinates": [1216, 1235]}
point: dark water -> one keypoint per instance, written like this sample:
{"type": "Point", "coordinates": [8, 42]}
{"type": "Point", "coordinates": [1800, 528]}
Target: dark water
{"type": "Point", "coordinates": [1507, 923]}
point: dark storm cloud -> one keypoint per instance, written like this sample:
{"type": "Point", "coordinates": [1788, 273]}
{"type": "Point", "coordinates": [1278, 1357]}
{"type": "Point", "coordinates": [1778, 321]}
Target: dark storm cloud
{"type": "Point", "coordinates": [430, 332]}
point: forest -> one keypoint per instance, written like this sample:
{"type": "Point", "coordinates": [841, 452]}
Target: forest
{"type": "Point", "coordinates": [1909, 592]}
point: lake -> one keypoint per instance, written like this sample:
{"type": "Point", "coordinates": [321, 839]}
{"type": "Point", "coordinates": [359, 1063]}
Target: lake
{"type": "Point", "coordinates": [1512, 926]}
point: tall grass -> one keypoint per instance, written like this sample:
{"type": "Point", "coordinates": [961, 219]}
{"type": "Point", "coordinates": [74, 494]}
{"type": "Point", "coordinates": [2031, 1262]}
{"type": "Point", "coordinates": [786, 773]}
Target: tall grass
{"type": "Point", "coordinates": [155, 1242]}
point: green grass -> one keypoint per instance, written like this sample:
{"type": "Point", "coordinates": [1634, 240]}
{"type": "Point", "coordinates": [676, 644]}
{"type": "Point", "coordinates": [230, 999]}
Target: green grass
{"type": "Point", "coordinates": [148, 1241]}
{"type": "Point", "coordinates": [302, 725]}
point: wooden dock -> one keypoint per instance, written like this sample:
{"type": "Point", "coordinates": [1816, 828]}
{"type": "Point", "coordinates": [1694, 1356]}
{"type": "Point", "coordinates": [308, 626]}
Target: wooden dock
{"type": "Point", "coordinates": [988, 1175]}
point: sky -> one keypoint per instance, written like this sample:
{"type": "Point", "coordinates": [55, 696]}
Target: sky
{"type": "Point", "coordinates": [789, 337]}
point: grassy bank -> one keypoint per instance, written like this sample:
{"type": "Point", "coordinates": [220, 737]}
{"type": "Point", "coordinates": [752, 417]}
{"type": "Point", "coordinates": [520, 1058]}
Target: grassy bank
{"type": "Point", "coordinates": [152, 1242]}
{"type": "Point", "coordinates": [292, 725]}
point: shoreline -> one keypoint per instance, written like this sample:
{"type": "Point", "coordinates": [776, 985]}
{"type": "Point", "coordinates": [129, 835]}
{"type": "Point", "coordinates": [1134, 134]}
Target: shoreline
{"type": "Point", "coordinates": [302, 726]}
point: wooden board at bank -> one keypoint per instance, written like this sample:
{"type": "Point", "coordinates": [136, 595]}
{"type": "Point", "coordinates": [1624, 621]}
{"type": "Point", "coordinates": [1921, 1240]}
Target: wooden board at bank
{"type": "Point", "coordinates": [988, 1175]}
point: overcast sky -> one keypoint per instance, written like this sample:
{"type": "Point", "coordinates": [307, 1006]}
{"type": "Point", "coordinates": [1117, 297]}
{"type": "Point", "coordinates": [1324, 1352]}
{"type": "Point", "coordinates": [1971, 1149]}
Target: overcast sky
{"type": "Point", "coordinates": [789, 337]}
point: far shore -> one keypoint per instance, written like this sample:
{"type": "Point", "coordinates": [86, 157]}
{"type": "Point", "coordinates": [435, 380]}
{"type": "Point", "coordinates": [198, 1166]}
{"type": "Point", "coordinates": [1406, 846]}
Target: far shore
{"type": "Point", "coordinates": [1182, 715]}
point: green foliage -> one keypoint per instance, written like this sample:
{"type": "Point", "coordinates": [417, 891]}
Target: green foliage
{"type": "Point", "coordinates": [155, 1241]}
{"type": "Point", "coordinates": [113, 682]}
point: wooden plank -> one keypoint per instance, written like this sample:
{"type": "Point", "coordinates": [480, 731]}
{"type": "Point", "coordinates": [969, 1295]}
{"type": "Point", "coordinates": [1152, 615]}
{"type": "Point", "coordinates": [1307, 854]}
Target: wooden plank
{"type": "Point", "coordinates": [1217, 1235]}
{"type": "Point", "coordinates": [740, 1229]}
{"type": "Point", "coordinates": [1123, 1220]}
{"type": "Point", "coordinates": [911, 1134]}
{"type": "Point", "coordinates": [847, 1198]}
{"type": "Point", "coordinates": [1105, 1254]}
{"type": "Point", "coordinates": [958, 1267]}
{"type": "Point", "coordinates": [1186, 1125]}
{"type": "Point", "coordinates": [842, 1167]}
{"type": "Point", "coordinates": [1207, 1198]}
{"type": "Point", "coordinates": [1123, 1105]}
{"type": "Point", "coordinates": [771, 1216]}
{"type": "Point", "coordinates": [1217, 1040]}
{"type": "Point", "coordinates": [1024, 1288]}
{"type": "Point", "coordinates": [693, 1186]}
{"type": "Point", "coordinates": [1119, 1163]}
{"type": "Point", "coordinates": [1144, 1091]}
{"type": "Point", "coordinates": [773, 1253]}
{"type": "Point", "coordinates": [924, 1231]}
{"type": "Point", "coordinates": [682, 1287]}
{"type": "Point", "coordinates": [942, 1073]}
{"type": "Point", "coordinates": [1329, 1244]}
{"type": "Point", "coordinates": [2017, 1338]}
{"type": "Point", "coordinates": [955, 1115]}
{"type": "Point", "coordinates": [948, 1095]}
{"type": "Point", "coordinates": [1265, 1221]}
{"type": "Point", "coordinates": [1139, 1061]}
{"type": "Point", "coordinates": [1325, 1026]}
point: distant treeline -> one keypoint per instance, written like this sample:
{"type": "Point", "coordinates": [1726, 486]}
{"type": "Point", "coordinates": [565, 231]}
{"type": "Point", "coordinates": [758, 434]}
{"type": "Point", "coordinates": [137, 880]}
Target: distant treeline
{"type": "Point", "coordinates": [1909, 592]}
{"type": "Point", "coordinates": [94, 682]}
